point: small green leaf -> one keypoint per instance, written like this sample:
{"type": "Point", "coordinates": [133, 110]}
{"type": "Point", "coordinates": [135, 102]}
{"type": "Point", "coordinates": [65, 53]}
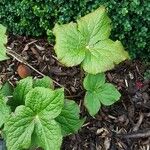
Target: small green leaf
{"type": "Point", "coordinates": [87, 43]}
{"type": "Point", "coordinates": [22, 88]}
{"type": "Point", "coordinates": [44, 82]}
{"type": "Point", "coordinates": [108, 94]}
{"type": "Point", "coordinates": [93, 82]}
{"type": "Point", "coordinates": [4, 109]}
{"type": "Point", "coordinates": [99, 92]}
{"type": "Point", "coordinates": [69, 118]}
{"type": "Point", "coordinates": [92, 103]}
{"type": "Point", "coordinates": [7, 89]}
{"type": "Point", "coordinates": [3, 40]}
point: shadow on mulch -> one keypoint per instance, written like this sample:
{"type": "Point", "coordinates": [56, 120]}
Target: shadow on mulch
{"type": "Point", "coordinates": [123, 126]}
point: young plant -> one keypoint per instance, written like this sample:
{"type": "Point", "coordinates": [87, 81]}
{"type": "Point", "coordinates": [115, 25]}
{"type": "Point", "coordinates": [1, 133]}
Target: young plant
{"type": "Point", "coordinates": [87, 43]}
{"type": "Point", "coordinates": [3, 40]}
{"type": "Point", "coordinates": [41, 117]}
{"type": "Point", "coordinates": [98, 93]}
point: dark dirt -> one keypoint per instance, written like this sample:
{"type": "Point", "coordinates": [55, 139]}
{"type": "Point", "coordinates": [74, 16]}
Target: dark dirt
{"type": "Point", "coordinates": [123, 126]}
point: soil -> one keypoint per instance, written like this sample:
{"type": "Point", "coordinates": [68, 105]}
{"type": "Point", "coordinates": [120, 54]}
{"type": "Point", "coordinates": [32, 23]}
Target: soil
{"type": "Point", "coordinates": [122, 126]}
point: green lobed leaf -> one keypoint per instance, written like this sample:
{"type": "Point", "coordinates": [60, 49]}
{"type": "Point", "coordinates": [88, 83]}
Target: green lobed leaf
{"type": "Point", "coordinates": [45, 102]}
{"type": "Point", "coordinates": [69, 44]}
{"type": "Point", "coordinates": [22, 88]}
{"type": "Point", "coordinates": [93, 82]}
{"type": "Point", "coordinates": [48, 134]}
{"type": "Point", "coordinates": [103, 56]}
{"type": "Point", "coordinates": [92, 103]}
{"type": "Point", "coordinates": [4, 109]}
{"type": "Point", "coordinates": [99, 92]}
{"type": "Point", "coordinates": [19, 128]}
{"type": "Point", "coordinates": [108, 94]}
{"type": "Point", "coordinates": [42, 105]}
{"type": "Point", "coordinates": [69, 118]}
{"type": "Point", "coordinates": [95, 26]}
{"type": "Point", "coordinates": [44, 82]}
{"type": "Point", "coordinates": [25, 85]}
{"type": "Point", "coordinates": [3, 40]}
{"type": "Point", "coordinates": [87, 42]}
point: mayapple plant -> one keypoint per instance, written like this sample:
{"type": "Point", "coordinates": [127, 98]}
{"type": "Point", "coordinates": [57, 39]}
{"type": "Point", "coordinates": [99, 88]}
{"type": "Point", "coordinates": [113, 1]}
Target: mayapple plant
{"type": "Point", "coordinates": [36, 115]}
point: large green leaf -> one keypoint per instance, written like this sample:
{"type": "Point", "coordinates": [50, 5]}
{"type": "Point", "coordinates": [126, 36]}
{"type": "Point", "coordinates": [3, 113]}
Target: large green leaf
{"type": "Point", "coordinates": [99, 92]}
{"type": "Point", "coordinates": [36, 118]}
{"type": "Point", "coordinates": [103, 56]}
{"type": "Point", "coordinates": [45, 102]}
{"type": "Point", "coordinates": [3, 40]}
{"type": "Point", "coordinates": [48, 134]}
{"type": "Point", "coordinates": [4, 110]}
{"type": "Point", "coordinates": [87, 42]}
{"type": "Point", "coordinates": [69, 44]}
{"type": "Point", "coordinates": [69, 118]}
{"type": "Point", "coordinates": [19, 128]}
{"type": "Point", "coordinates": [95, 26]}
{"type": "Point", "coordinates": [25, 85]}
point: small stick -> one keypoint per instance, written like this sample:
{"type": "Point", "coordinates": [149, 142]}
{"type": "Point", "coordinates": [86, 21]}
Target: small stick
{"type": "Point", "coordinates": [136, 127]}
{"type": "Point", "coordinates": [27, 45]}
{"type": "Point", "coordinates": [75, 96]}
{"type": "Point", "coordinates": [21, 60]}
{"type": "Point", "coordinates": [139, 71]}
{"type": "Point", "coordinates": [140, 134]}
{"type": "Point", "coordinates": [86, 124]}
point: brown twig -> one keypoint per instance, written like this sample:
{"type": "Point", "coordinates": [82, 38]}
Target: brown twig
{"type": "Point", "coordinates": [27, 45]}
{"type": "Point", "coordinates": [21, 60]}
{"type": "Point", "coordinates": [139, 134]}
{"type": "Point", "coordinates": [137, 125]}
{"type": "Point", "coordinates": [75, 96]}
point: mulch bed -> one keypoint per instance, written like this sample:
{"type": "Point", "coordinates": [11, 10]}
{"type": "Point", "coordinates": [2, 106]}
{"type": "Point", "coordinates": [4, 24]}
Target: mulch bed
{"type": "Point", "coordinates": [123, 126]}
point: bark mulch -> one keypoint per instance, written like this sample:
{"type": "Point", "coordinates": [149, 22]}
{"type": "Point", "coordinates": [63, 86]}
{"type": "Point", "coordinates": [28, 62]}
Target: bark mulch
{"type": "Point", "coordinates": [122, 126]}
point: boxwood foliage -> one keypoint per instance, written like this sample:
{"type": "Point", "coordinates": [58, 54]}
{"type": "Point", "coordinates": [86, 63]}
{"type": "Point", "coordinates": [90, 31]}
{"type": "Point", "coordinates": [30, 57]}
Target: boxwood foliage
{"type": "Point", "coordinates": [36, 17]}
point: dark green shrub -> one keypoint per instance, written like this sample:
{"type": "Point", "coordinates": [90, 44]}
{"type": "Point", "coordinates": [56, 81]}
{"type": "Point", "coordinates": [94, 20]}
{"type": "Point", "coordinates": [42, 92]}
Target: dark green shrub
{"type": "Point", "coordinates": [34, 17]}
